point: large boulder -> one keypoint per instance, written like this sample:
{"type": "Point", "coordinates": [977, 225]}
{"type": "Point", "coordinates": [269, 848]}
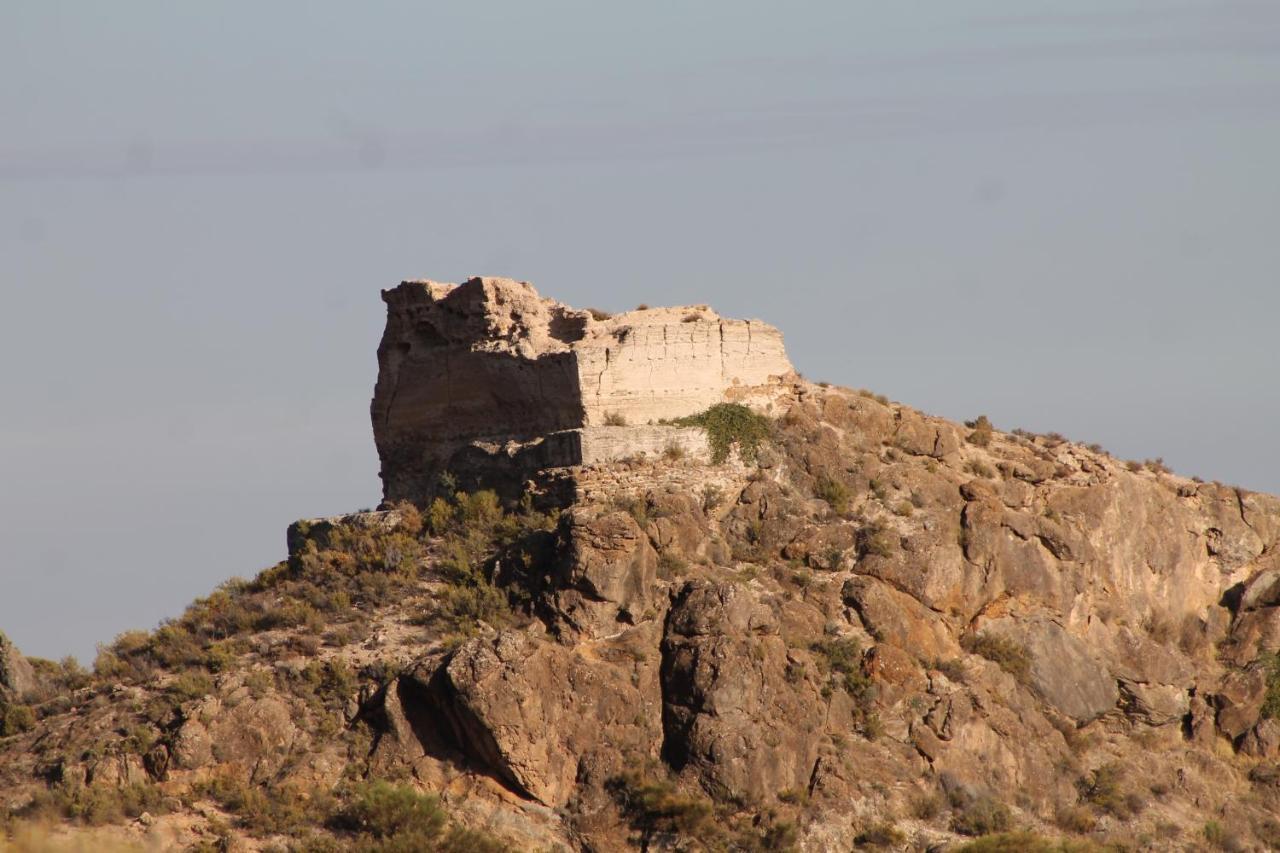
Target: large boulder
{"type": "Point", "coordinates": [606, 576]}
{"type": "Point", "coordinates": [252, 738]}
{"type": "Point", "coordinates": [733, 718]}
{"type": "Point", "coordinates": [1062, 670]}
{"type": "Point", "coordinates": [17, 677]}
{"type": "Point", "coordinates": [1239, 700]}
{"type": "Point", "coordinates": [895, 617]}
{"type": "Point", "coordinates": [543, 717]}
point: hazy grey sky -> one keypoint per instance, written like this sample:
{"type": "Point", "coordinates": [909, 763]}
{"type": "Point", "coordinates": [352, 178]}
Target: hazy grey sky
{"type": "Point", "coordinates": [1065, 215]}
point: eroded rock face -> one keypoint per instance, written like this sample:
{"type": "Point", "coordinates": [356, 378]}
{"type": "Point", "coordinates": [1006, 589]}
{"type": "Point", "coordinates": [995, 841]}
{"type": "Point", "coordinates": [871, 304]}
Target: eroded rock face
{"type": "Point", "coordinates": [253, 737]}
{"type": "Point", "coordinates": [734, 719]}
{"type": "Point", "coordinates": [17, 678]}
{"type": "Point", "coordinates": [490, 381]}
{"type": "Point", "coordinates": [1063, 671]}
{"type": "Point", "coordinates": [546, 717]}
{"type": "Point", "coordinates": [607, 575]}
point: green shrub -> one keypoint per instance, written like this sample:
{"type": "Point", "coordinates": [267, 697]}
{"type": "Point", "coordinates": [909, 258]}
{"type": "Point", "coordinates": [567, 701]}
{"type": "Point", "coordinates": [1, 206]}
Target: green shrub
{"type": "Point", "coordinates": [952, 668]}
{"type": "Point", "coordinates": [384, 811]}
{"type": "Point", "coordinates": [390, 818]}
{"type": "Point", "coordinates": [1156, 466]}
{"type": "Point", "coordinates": [614, 419]}
{"type": "Point", "coordinates": [140, 739]}
{"type": "Point", "coordinates": [290, 614]}
{"type": "Point", "coordinates": [411, 521]}
{"type": "Point", "coordinates": [1104, 789]}
{"type": "Point", "coordinates": [876, 540]}
{"type": "Point", "coordinates": [463, 608]}
{"type": "Point", "coordinates": [926, 806]}
{"type": "Point", "coordinates": [980, 815]}
{"type": "Point", "coordinates": [982, 431]}
{"type": "Point", "coordinates": [1271, 700]}
{"type": "Point", "coordinates": [730, 424]}
{"type": "Point", "coordinates": [57, 677]}
{"type": "Point", "coordinates": [440, 516]}
{"type": "Point", "coordinates": [881, 835]}
{"type": "Point", "coordinates": [1075, 819]}
{"type": "Point", "coordinates": [220, 656]}
{"type": "Point", "coordinates": [332, 682]}
{"type": "Point", "coordinates": [1011, 656]}
{"type": "Point", "coordinates": [108, 666]}
{"type": "Point", "coordinates": [270, 810]}
{"type": "Point", "coordinates": [878, 489]}
{"type": "Point", "coordinates": [834, 492]}
{"type": "Point", "coordinates": [712, 497]}
{"type": "Point", "coordinates": [191, 685]}
{"type": "Point", "coordinates": [636, 506]}
{"type": "Point", "coordinates": [96, 805]}
{"type": "Point", "coordinates": [16, 719]}
{"type": "Point", "coordinates": [980, 469]}
{"type": "Point", "coordinates": [671, 566]}
{"type": "Point", "coordinates": [654, 805]}
{"type": "Point", "coordinates": [480, 509]}
{"type": "Point", "coordinates": [841, 659]}
{"type": "Point", "coordinates": [794, 796]}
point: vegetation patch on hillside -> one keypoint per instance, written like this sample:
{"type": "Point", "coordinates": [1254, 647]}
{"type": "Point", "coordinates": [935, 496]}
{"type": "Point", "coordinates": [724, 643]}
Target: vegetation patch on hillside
{"type": "Point", "coordinates": [730, 424]}
{"type": "Point", "coordinates": [1029, 842]}
{"type": "Point", "coordinates": [1008, 654]}
{"type": "Point", "coordinates": [655, 807]}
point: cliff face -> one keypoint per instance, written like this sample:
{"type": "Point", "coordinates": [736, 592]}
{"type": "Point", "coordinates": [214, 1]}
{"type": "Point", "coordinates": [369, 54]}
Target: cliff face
{"type": "Point", "coordinates": [491, 382]}
{"type": "Point", "coordinates": [883, 628]}
{"type": "Point", "coordinates": [17, 678]}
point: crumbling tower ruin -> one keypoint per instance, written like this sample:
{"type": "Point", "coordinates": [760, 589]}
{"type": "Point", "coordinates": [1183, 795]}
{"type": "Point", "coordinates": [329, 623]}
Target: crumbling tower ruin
{"type": "Point", "coordinates": [491, 382]}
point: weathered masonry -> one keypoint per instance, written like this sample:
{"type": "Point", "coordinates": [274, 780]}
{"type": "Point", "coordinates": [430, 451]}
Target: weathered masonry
{"type": "Point", "coordinates": [490, 381]}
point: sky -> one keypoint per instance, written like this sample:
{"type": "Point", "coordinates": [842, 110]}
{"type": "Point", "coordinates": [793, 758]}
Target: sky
{"type": "Point", "coordinates": [1065, 215]}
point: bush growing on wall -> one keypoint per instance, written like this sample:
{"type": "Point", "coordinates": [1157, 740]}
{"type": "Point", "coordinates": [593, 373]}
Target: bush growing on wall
{"type": "Point", "coordinates": [727, 424]}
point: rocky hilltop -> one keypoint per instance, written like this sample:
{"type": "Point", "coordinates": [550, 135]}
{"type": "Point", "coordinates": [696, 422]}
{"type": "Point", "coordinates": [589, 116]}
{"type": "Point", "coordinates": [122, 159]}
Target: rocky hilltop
{"type": "Point", "coordinates": [638, 585]}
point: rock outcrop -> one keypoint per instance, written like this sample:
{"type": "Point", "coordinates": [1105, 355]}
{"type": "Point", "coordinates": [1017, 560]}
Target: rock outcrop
{"type": "Point", "coordinates": [17, 677]}
{"type": "Point", "coordinates": [491, 382]}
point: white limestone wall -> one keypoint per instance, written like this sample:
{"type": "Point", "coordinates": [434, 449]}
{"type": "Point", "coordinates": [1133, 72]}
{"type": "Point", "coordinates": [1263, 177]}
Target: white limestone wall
{"type": "Point", "coordinates": [647, 366]}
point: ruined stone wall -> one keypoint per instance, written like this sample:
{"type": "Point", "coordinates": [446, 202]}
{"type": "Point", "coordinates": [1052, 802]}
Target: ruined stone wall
{"type": "Point", "coordinates": [646, 366]}
{"type": "Point", "coordinates": [607, 443]}
{"type": "Point", "coordinates": [492, 382]}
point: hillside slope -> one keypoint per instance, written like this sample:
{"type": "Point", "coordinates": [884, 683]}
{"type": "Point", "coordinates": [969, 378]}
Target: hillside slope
{"type": "Point", "coordinates": [865, 626]}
